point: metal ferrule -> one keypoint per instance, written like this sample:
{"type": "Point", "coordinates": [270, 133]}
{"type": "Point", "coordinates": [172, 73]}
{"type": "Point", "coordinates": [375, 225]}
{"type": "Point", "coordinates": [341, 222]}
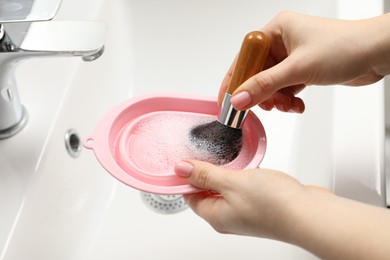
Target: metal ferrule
{"type": "Point", "coordinates": [229, 116]}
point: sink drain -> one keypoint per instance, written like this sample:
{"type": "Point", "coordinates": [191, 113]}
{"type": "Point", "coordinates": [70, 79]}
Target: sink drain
{"type": "Point", "coordinates": [72, 143]}
{"type": "Point", "coordinates": [164, 204]}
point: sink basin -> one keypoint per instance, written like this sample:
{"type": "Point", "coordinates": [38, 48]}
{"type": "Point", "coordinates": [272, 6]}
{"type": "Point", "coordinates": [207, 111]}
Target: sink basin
{"type": "Point", "coordinates": [57, 206]}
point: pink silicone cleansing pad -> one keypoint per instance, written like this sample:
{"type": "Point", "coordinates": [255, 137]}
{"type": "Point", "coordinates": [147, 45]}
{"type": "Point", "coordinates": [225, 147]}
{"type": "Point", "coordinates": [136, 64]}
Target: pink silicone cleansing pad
{"type": "Point", "coordinates": [139, 141]}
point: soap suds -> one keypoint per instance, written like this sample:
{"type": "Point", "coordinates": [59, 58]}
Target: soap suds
{"type": "Point", "coordinates": [160, 140]}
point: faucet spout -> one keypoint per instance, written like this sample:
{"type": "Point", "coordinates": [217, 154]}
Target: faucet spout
{"type": "Point", "coordinates": [19, 41]}
{"type": "Point", "coordinates": [53, 38]}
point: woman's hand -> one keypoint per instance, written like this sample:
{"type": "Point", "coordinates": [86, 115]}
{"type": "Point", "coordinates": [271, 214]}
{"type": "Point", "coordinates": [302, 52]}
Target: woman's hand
{"type": "Point", "coordinates": [271, 204]}
{"type": "Point", "coordinates": [307, 50]}
{"type": "Point", "coordinates": [249, 202]}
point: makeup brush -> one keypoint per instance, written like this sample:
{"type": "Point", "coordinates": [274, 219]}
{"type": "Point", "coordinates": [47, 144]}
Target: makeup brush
{"type": "Point", "coordinates": [222, 138]}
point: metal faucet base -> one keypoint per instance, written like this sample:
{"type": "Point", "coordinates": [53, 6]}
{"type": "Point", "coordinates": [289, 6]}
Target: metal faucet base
{"type": "Point", "coordinates": [13, 130]}
{"type": "Point", "coordinates": [22, 41]}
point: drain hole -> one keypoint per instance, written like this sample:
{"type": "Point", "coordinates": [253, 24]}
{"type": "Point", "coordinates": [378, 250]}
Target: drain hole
{"type": "Point", "coordinates": [164, 204]}
{"type": "Point", "coordinates": [72, 143]}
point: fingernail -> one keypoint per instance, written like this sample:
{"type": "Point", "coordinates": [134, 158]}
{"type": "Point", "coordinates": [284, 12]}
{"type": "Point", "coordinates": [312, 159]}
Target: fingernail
{"type": "Point", "coordinates": [183, 169]}
{"type": "Point", "coordinates": [296, 109]}
{"type": "Point", "coordinates": [241, 100]}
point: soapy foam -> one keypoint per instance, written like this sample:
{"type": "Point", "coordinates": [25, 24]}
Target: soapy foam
{"type": "Point", "coordinates": [162, 139]}
{"type": "Point", "coordinates": [219, 140]}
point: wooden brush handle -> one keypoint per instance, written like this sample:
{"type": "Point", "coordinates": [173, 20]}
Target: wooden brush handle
{"type": "Point", "coordinates": [253, 53]}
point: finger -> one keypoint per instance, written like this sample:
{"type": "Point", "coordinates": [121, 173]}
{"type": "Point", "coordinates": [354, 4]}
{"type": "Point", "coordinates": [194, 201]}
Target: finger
{"type": "Point", "coordinates": [204, 175]}
{"type": "Point", "coordinates": [202, 203]}
{"type": "Point", "coordinates": [288, 103]}
{"type": "Point", "coordinates": [298, 106]}
{"type": "Point", "coordinates": [267, 104]}
{"type": "Point", "coordinates": [284, 101]}
{"type": "Point", "coordinates": [266, 83]}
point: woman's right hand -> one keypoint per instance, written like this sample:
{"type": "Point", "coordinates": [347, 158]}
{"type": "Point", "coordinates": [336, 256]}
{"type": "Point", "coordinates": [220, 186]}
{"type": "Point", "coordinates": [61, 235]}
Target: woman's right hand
{"type": "Point", "coordinates": [307, 50]}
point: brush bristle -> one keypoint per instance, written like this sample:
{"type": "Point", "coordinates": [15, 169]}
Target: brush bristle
{"type": "Point", "coordinates": [221, 141]}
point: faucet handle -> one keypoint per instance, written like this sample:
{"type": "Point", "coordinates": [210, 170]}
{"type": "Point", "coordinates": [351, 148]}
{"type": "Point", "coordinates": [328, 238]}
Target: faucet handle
{"type": "Point", "coordinates": [28, 10]}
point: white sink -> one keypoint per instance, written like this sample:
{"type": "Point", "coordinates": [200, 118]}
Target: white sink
{"type": "Point", "coordinates": [54, 206]}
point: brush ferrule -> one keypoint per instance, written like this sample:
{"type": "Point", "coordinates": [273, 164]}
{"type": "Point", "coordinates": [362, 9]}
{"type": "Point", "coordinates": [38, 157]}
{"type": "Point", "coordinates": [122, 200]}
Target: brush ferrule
{"type": "Point", "coordinates": [229, 116]}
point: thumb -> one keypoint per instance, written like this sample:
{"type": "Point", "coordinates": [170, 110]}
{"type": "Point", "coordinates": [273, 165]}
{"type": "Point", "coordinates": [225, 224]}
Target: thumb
{"type": "Point", "coordinates": [264, 84]}
{"type": "Point", "coordinates": [203, 175]}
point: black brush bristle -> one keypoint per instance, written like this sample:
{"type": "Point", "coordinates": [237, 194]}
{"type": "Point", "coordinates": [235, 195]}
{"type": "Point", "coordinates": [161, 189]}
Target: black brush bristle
{"type": "Point", "coordinates": [222, 142]}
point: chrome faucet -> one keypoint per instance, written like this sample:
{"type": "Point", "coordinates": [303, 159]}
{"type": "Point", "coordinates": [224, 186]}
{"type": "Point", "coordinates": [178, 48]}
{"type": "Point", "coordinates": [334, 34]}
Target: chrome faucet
{"type": "Point", "coordinates": [22, 38]}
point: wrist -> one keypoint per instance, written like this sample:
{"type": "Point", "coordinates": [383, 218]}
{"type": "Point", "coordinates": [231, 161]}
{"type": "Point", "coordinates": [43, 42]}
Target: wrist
{"type": "Point", "coordinates": [378, 44]}
{"type": "Point", "coordinates": [288, 211]}
{"type": "Point", "coordinates": [301, 215]}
